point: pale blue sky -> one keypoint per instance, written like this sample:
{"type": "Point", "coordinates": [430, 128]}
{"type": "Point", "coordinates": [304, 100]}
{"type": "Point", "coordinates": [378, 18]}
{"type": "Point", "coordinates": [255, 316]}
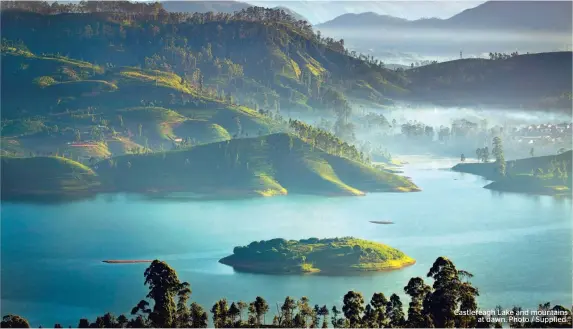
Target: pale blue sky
{"type": "Point", "coordinates": [318, 11]}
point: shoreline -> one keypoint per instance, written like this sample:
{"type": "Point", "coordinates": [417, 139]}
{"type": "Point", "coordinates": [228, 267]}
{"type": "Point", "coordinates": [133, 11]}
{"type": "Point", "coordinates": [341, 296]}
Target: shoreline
{"type": "Point", "coordinates": [255, 268]}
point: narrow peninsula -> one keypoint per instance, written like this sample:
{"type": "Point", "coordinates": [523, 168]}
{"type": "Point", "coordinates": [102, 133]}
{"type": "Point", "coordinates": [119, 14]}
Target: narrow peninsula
{"type": "Point", "coordinates": [543, 175]}
{"type": "Point", "coordinates": [313, 255]}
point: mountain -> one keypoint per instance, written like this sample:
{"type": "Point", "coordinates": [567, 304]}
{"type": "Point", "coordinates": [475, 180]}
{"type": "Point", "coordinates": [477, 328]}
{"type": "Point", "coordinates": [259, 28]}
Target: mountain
{"type": "Point", "coordinates": [516, 15]}
{"type": "Point", "coordinates": [498, 15]}
{"type": "Point", "coordinates": [322, 11]}
{"type": "Point", "coordinates": [266, 65]}
{"type": "Point", "coordinates": [227, 7]}
{"type": "Point", "coordinates": [118, 88]}
{"type": "Point", "coordinates": [531, 80]}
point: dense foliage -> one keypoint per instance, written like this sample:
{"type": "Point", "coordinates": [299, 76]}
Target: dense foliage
{"type": "Point", "coordinates": [316, 255]}
{"type": "Point", "coordinates": [431, 306]}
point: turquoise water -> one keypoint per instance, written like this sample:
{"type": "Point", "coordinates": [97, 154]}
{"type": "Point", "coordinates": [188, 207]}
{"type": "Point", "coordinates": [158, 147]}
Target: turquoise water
{"type": "Point", "coordinates": [518, 247]}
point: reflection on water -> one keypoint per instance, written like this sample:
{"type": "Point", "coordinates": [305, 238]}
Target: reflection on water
{"type": "Point", "coordinates": [517, 246]}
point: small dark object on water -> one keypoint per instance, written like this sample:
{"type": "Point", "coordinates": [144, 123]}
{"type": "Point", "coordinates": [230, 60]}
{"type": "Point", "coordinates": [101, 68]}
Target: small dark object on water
{"type": "Point", "coordinates": [126, 261]}
{"type": "Point", "coordinates": [381, 222]}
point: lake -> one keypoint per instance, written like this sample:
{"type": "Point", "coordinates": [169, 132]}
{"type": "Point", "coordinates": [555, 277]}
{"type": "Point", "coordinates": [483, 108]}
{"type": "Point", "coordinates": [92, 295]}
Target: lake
{"type": "Point", "coordinates": [517, 246]}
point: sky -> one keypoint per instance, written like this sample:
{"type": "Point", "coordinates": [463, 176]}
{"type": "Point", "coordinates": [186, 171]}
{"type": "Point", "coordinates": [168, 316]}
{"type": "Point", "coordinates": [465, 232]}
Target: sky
{"type": "Point", "coordinates": [320, 11]}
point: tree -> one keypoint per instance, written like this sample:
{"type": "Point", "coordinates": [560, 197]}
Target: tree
{"type": "Point", "coordinates": [449, 294]}
{"type": "Point", "coordinates": [14, 321]}
{"type": "Point", "coordinates": [287, 310]}
{"type": "Point", "coordinates": [84, 323]}
{"type": "Point", "coordinates": [353, 306]}
{"type": "Point", "coordinates": [418, 292]}
{"type": "Point", "coordinates": [485, 154]}
{"type": "Point", "coordinates": [220, 312]}
{"type": "Point", "coordinates": [479, 154]}
{"type": "Point", "coordinates": [379, 303]}
{"type": "Point", "coordinates": [323, 311]}
{"type": "Point", "coordinates": [233, 313]}
{"type": "Point", "coordinates": [241, 306]}
{"type": "Point", "coordinates": [395, 312]}
{"type": "Point", "coordinates": [261, 308]}
{"type": "Point", "coordinates": [198, 316]}
{"type": "Point", "coordinates": [334, 319]}
{"type": "Point", "coordinates": [497, 152]}
{"type": "Point", "coordinates": [164, 286]}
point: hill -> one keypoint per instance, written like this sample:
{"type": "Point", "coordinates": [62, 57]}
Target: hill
{"type": "Point", "coordinates": [328, 256]}
{"type": "Point", "coordinates": [537, 175]}
{"type": "Point", "coordinates": [263, 166]}
{"type": "Point", "coordinates": [39, 177]}
{"type": "Point", "coordinates": [268, 165]}
{"type": "Point", "coordinates": [260, 57]}
{"type": "Point", "coordinates": [492, 15]}
{"type": "Point", "coordinates": [532, 80]}
{"type": "Point", "coordinates": [227, 7]}
{"type": "Point", "coordinates": [51, 101]}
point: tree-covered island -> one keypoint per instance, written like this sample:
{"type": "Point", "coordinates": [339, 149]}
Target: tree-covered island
{"type": "Point", "coordinates": [313, 255]}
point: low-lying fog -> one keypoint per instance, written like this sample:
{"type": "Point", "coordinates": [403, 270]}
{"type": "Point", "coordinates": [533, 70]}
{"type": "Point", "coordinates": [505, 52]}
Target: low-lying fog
{"type": "Point", "coordinates": [405, 45]}
{"type": "Point", "coordinates": [390, 137]}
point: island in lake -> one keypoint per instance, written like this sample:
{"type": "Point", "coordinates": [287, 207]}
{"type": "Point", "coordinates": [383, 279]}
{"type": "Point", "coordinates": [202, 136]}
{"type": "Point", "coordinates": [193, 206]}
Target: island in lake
{"type": "Point", "coordinates": [313, 255]}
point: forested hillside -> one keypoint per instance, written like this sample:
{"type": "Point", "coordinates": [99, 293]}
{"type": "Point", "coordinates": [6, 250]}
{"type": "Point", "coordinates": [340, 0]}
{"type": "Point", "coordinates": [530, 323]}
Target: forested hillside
{"type": "Point", "coordinates": [94, 80]}
{"type": "Point", "coordinates": [261, 57]}
{"type": "Point", "coordinates": [530, 80]}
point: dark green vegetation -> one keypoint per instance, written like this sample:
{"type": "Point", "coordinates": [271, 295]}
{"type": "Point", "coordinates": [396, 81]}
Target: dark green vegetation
{"type": "Point", "coordinates": [94, 80]}
{"type": "Point", "coordinates": [161, 102]}
{"type": "Point", "coordinates": [329, 256]}
{"type": "Point", "coordinates": [431, 306]}
{"type": "Point", "coordinates": [549, 175]}
{"type": "Point", "coordinates": [267, 165]}
{"type": "Point", "coordinates": [46, 176]}
{"type": "Point", "coordinates": [531, 80]}
{"type": "Point", "coordinates": [259, 57]}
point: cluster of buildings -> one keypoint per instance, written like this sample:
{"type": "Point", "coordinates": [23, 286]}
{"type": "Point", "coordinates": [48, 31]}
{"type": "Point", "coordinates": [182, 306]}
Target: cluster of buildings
{"type": "Point", "coordinates": [544, 133]}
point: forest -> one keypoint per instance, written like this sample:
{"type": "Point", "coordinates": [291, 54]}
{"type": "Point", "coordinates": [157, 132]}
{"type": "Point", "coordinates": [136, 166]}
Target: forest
{"type": "Point", "coordinates": [436, 305]}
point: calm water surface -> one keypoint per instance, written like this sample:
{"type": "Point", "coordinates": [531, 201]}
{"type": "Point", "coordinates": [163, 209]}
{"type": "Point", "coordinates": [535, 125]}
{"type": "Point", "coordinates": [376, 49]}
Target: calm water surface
{"type": "Point", "coordinates": [518, 247]}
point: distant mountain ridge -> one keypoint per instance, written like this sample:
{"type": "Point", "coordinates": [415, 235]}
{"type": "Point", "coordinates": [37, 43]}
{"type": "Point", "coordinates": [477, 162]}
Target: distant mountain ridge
{"type": "Point", "coordinates": [506, 15]}
{"type": "Point", "coordinates": [228, 7]}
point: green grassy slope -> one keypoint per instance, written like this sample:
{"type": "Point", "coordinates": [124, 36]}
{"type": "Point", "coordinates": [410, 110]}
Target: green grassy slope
{"type": "Point", "coordinates": [32, 106]}
{"type": "Point", "coordinates": [267, 165]}
{"type": "Point", "coordinates": [550, 174]}
{"type": "Point", "coordinates": [258, 62]}
{"type": "Point", "coordinates": [329, 256]}
{"type": "Point", "coordinates": [45, 176]}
